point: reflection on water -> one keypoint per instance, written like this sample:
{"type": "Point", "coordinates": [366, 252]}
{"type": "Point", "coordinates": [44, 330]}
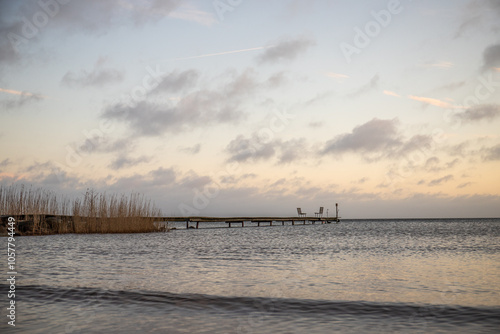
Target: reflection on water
{"type": "Point", "coordinates": [307, 276]}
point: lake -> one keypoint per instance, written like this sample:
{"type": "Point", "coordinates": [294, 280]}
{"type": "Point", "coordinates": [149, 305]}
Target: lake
{"type": "Point", "coordinates": [370, 276]}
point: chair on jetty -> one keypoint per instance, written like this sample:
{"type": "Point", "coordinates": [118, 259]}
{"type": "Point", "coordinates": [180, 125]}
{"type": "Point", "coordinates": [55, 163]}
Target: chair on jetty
{"type": "Point", "coordinates": [320, 213]}
{"type": "Point", "coordinates": [300, 213]}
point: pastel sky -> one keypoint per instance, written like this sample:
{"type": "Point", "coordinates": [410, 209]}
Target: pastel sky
{"type": "Point", "coordinates": [239, 107]}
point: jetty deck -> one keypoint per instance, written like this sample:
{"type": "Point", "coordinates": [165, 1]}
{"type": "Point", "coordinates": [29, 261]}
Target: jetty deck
{"type": "Point", "coordinates": [194, 222]}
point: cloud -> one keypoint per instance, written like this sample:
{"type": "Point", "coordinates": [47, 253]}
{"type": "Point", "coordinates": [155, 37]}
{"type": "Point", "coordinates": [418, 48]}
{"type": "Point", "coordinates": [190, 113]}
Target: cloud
{"type": "Point", "coordinates": [17, 92]}
{"type": "Point", "coordinates": [175, 82]}
{"type": "Point", "coordinates": [491, 57]}
{"type": "Point", "coordinates": [433, 102]}
{"type": "Point", "coordinates": [390, 93]}
{"type": "Point", "coordinates": [277, 79]}
{"type": "Point", "coordinates": [123, 161]}
{"type": "Point", "coordinates": [100, 143]}
{"type": "Point", "coordinates": [156, 10]}
{"type": "Point", "coordinates": [479, 112]}
{"type": "Point", "coordinates": [200, 107]}
{"type": "Point", "coordinates": [94, 17]}
{"type": "Point", "coordinates": [4, 163]}
{"type": "Point", "coordinates": [375, 140]}
{"type": "Point", "coordinates": [98, 76]}
{"type": "Point", "coordinates": [441, 180]}
{"type": "Point", "coordinates": [479, 14]}
{"type": "Point", "coordinates": [374, 135]}
{"type": "Point", "coordinates": [153, 119]}
{"type": "Point", "coordinates": [190, 13]}
{"type": "Point", "coordinates": [292, 150]}
{"type": "Point", "coordinates": [372, 84]}
{"type": "Point", "coordinates": [22, 99]}
{"type": "Point", "coordinates": [286, 49]}
{"type": "Point", "coordinates": [255, 148]}
{"type": "Point", "coordinates": [492, 153]}
{"type": "Point", "coordinates": [191, 150]}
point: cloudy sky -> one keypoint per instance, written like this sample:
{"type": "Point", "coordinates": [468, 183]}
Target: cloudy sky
{"type": "Point", "coordinates": [239, 107]}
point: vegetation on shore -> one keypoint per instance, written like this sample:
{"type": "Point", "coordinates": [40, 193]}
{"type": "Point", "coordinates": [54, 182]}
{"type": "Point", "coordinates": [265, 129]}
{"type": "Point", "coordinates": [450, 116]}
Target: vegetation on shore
{"type": "Point", "coordinates": [40, 211]}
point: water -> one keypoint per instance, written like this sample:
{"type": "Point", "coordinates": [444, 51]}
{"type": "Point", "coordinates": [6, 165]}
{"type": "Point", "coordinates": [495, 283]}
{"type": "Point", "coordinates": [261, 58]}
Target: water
{"type": "Point", "coordinates": [370, 276]}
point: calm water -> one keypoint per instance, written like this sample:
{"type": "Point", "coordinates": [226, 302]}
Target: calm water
{"type": "Point", "coordinates": [415, 276]}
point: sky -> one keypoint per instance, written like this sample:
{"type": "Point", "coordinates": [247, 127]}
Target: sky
{"type": "Point", "coordinates": [238, 107]}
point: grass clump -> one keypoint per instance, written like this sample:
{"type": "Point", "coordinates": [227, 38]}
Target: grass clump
{"type": "Point", "coordinates": [39, 211]}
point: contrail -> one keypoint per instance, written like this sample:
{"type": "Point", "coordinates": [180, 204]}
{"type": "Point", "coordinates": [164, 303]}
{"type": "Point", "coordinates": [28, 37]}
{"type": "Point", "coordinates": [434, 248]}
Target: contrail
{"type": "Point", "coordinates": [16, 92]}
{"type": "Point", "coordinates": [222, 53]}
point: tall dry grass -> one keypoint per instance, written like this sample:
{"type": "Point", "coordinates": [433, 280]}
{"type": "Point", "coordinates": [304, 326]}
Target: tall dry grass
{"type": "Point", "coordinates": [93, 213]}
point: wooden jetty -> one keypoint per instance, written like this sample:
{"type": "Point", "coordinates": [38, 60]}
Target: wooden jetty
{"type": "Point", "coordinates": [194, 222]}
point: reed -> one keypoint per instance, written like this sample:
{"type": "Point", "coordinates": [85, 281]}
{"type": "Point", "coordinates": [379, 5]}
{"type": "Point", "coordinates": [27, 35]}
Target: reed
{"type": "Point", "coordinates": [94, 212]}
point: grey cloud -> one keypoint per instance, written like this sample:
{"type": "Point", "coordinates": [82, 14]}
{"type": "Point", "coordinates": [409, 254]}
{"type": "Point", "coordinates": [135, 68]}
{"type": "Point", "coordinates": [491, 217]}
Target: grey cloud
{"type": "Point", "coordinates": [8, 30]}
{"type": "Point", "coordinates": [415, 143]}
{"type": "Point", "coordinates": [5, 162]}
{"type": "Point", "coordinates": [479, 112]}
{"type": "Point", "coordinates": [243, 149]}
{"type": "Point", "coordinates": [491, 57]}
{"type": "Point", "coordinates": [152, 119]}
{"type": "Point", "coordinates": [48, 174]}
{"type": "Point", "coordinates": [90, 16]}
{"type": "Point", "coordinates": [124, 161]}
{"type": "Point", "coordinates": [286, 49]}
{"type": "Point", "coordinates": [375, 140]}
{"type": "Point", "coordinates": [147, 119]}
{"type": "Point", "coordinates": [479, 14]}
{"type": "Point", "coordinates": [242, 84]}
{"type": "Point", "coordinates": [102, 144]}
{"type": "Point", "coordinates": [440, 180]}
{"type": "Point", "coordinates": [191, 150]}
{"type": "Point", "coordinates": [175, 82]}
{"type": "Point", "coordinates": [194, 181]}
{"type": "Point", "coordinates": [492, 153]}
{"type": "Point", "coordinates": [155, 11]}
{"type": "Point", "coordinates": [20, 101]}
{"type": "Point", "coordinates": [255, 148]}
{"type": "Point", "coordinates": [372, 136]}
{"type": "Point", "coordinates": [277, 79]}
{"type": "Point", "coordinates": [199, 108]}
{"type": "Point", "coordinates": [433, 164]}
{"type": "Point", "coordinates": [292, 150]}
{"type": "Point", "coordinates": [98, 76]}
{"type": "Point", "coordinates": [163, 175]}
